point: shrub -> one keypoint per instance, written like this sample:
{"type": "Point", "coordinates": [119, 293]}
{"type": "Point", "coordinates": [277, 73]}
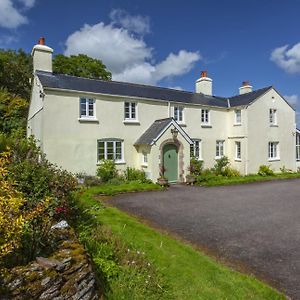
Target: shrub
{"type": "Point", "coordinates": [88, 180]}
{"type": "Point", "coordinates": [265, 171]}
{"type": "Point", "coordinates": [132, 174]}
{"type": "Point", "coordinates": [207, 175]}
{"type": "Point", "coordinates": [230, 172]}
{"type": "Point", "coordinates": [15, 217]}
{"type": "Point", "coordinates": [220, 165]}
{"type": "Point", "coordinates": [116, 181]}
{"type": "Point", "coordinates": [107, 170]}
{"type": "Point", "coordinates": [196, 166]}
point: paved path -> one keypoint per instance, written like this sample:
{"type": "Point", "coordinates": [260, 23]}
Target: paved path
{"type": "Point", "coordinates": [254, 225]}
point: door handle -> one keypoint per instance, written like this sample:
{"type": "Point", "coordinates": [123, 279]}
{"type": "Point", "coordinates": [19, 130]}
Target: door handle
{"type": "Point", "coordinates": [169, 156]}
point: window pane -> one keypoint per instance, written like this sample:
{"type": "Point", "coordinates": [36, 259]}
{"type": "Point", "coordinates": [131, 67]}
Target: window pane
{"type": "Point", "coordinates": [176, 113]}
{"type": "Point", "coordinates": [82, 107]}
{"type": "Point", "coordinates": [118, 153]}
{"type": "Point", "coordinates": [91, 107]}
{"type": "Point", "coordinates": [101, 154]}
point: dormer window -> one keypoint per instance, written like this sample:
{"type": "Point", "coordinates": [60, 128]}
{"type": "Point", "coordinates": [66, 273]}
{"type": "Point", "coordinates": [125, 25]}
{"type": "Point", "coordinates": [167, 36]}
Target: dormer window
{"type": "Point", "coordinates": [130, 112]}
{"type": "Point", "coordinates": [238, 117]}
{"type": "Point", "coordinates": [178, 114]}
{"type": "Point", "coordinates": [87, 108]}
{"type": "Point", "coordinates": [273, 116]}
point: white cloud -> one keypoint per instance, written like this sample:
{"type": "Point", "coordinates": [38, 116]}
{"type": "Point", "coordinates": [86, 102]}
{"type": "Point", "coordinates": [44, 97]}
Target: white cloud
{"type": "Point", "coordinates": [293, 99]}
{"type": "Point", "coordinates": [138, 24]}
{"type": "Point", "coordinates": [127, 56]}
{"type": "Point", "coordinates": [11, 16]}
{"type": "Point", "coordinates": [6, 40]}
{"type": "Point", "coordinates": [287, 59]}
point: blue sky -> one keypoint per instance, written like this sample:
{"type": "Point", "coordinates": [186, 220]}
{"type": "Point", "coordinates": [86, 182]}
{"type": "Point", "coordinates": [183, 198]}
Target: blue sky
{"type": "Point", "coordinates": [168, 43]}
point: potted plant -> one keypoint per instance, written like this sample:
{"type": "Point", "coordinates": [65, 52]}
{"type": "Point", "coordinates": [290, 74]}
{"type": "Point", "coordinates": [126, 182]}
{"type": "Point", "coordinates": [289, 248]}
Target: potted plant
{"type": "Point", "coordinates": [162, 180]}
{"type": "Point", "coordinates": [190, 178]}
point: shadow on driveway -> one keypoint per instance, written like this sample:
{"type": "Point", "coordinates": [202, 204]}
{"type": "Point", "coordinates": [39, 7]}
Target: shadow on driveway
{"type": "Point", "coordinates": [254, 225]}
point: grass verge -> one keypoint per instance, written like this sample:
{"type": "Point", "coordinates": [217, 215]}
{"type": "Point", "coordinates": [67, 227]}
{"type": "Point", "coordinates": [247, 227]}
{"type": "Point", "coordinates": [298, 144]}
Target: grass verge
{"type": "Point", "coordinates": [138, 262]}
{"type": "Point", "coordinates": [221, 180]}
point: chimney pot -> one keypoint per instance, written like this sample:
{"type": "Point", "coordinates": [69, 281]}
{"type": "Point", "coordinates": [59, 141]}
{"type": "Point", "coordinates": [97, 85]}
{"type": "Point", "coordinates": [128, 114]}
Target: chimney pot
{"type": "Point", "coordinates": [203, 73]}
{"type": "Point", "coordinates": [41, 41]}
{"type": "Point", "coordinates": [245, 83]}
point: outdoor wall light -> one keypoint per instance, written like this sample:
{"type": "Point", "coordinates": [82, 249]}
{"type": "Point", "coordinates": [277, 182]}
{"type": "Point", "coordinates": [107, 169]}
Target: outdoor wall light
{"type": "Point", "coordinates": [174, 132]}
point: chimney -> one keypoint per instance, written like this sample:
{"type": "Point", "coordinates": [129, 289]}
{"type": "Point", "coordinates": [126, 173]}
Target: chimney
{"type": "Point", "coordinates": [204, 84]}
{"type": "Point", "coordinates": [42, 56]}
{"type": "Point", "coordinates": [245, 88]}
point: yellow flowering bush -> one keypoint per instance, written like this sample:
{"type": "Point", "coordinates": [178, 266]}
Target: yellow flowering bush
{"type": "Point", "coordinates": [14, 218]}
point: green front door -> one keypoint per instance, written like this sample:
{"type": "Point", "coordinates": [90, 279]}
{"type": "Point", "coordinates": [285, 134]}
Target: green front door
{"type": "Point", "coordinates": [171, 162]}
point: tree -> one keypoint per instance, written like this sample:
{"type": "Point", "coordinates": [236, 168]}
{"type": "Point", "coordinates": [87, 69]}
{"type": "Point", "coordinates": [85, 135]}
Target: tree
{"type": "Point", "coordinates": [80, 65]}
{"type": "Point", "coordinates": [15, 72]}
{"type": "Point", "coordinates": [13, 112]}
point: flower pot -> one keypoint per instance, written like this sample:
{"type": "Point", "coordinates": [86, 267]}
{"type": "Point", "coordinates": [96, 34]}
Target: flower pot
{"type": "Point", "coordinates": [163, 181]}
{"type": "Point", "coordinates": [190, 179]}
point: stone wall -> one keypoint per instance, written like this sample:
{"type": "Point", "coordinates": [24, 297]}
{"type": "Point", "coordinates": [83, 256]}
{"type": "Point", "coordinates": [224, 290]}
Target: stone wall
{"type": "Point", "coordinates": [67, 274]}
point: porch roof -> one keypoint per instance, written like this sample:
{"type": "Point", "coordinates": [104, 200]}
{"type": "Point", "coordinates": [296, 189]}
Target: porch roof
{"type": "Point", "coordinates": [157, 129]}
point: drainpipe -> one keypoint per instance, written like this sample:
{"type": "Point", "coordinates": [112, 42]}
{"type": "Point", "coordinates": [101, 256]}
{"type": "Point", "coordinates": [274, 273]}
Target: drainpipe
{"type": "Point", "coordinates": [169, 109]}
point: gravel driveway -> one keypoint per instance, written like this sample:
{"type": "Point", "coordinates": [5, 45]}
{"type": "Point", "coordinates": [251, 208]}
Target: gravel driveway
{"type": "Point", "coordinates": [254, 225]}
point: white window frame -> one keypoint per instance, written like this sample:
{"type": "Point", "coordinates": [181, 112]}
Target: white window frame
{"type": "Point", "coordinates": [144, 158]}
{"type": "Point", "coordinates": [178, 111]}
{"type": "Point", "coordinates": [220, 148]}
{"type": "Point", "coordinates": [238, 151]}
{"type": "Point", "coordinates": [114, 141]}
{"type": "Point", "coordinates": [273, 117]}
{"type": "Point", "coordinates": [193, 149]}
{"type": "Point", "coordinates": [132, 111]}
{"type": "Point", "coordinates": [205, 116]}
{"type": "Point", "coordinates": [238, 117]}
{"type": "Point", "coordinates": [297, 146]}
{"type": "Point", "coordinates": [273, 151]}
{"type": "Point", "coordinates": [87, 108]}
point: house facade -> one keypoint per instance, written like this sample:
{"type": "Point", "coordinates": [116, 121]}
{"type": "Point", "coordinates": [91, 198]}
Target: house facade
{"type": "Point", "coordinates": [78, 122]}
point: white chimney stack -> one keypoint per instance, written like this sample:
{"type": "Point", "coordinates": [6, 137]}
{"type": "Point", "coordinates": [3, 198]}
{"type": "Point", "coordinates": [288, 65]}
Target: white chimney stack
{"type": "Point", "coordinates": [245, 88]}
{"type": "Point", "coordinates": [204, 84]}
{"type": "Point", "coordinates": [42, 56]}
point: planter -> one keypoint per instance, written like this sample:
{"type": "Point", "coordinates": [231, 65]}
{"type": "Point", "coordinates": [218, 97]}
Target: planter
{"type": "Point", "coordinates": [162, 181]}
{"type": "Point", "coordinates": [190, 179]}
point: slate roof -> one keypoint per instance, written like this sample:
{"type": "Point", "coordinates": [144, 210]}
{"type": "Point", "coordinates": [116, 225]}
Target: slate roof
{"type": "Point", "coordinates": [67, 82]}
{"type": "Point", "coordinates": [153, 131]}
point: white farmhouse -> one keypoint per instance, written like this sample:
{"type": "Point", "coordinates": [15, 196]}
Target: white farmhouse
{"type": "Point", "coordinates": [79, 122]}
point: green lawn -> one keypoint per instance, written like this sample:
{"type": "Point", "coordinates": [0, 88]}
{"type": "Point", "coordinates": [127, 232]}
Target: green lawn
{"type": "Point", "coordinates": [222, 180]}
{"type": "Point", "coordinates": [160, 267]}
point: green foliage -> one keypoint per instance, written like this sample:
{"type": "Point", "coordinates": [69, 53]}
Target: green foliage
{"type": "Point", "coordinates": [196, 166]}
{"type": "Point", "coordinates": [265, 171]}
{"type": "Point", "coordinates": [15, 72]}
{"type": "Point", "coordinates": [13, 112]}
{"type": "Point", "coordinates": [132, 174]}
{"type": "Point", "coordinates": [80, 65]}
{"type": "Point", "coordinates": [107, 170]}
{"type": "Point", "coordinates": [206, 176]}
{"type": "Point", "coordinates": [220, 165]}
{"type": "Point", "coordinates": [89, 180]}
{"type": "Point", "coordinates": [231, 172]}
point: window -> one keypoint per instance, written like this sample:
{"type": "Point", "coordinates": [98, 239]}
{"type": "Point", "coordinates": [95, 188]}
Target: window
{"type": "Point", "coordinates": [298, 146]}
{"type": "Point", "coordinates": [219, 149]}
{"type": "Point", "coordinates": [273, 150]}
{"type": "Point", "coordinates": [110, 149]}
{"type": "Point", "coordinates": [144, 158]}
{"type": "Point", "coordinates": [238, 155]}
{"type": "Point", "coordinates": [195, 150]}
{"type": "Point", "coordinates": [238, 116]}
{"type": "Point", "coordinates": [273, 116]}
{"type": "Point", "coordinates": [205, 116]}
{"type": "Point", "coordinates": [87, 108]}
{"type": "Point", "coordinates": [130, 111]}
{"type": "Point", "coordinates": [178, 113]}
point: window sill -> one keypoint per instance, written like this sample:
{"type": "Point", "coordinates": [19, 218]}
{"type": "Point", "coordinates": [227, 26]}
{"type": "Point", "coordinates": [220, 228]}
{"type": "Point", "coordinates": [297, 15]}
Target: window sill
{"type": "Point", "coordinates": [238, 159]}
{"type": "Point", "coordinates": [206, 126]}
{"type": "Point", "coordinates": [218, 157]}
{"type": "Point", "coordinates": [144, 165]}
{"type": "Point", "coordinates": [118, 162]}
{"type": "Point", "coordinates": [273, 159]}
{"type": "Point", "coordinates": [92, 120]}
{"type": "Point", "coordinates": [273, 125]}
{"type": "Point", "coordinates": [237, 124]}
{"type": "Point", "coordinates": [181, 124]}
{"type": "Point", "coordinates": [131, 122]}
